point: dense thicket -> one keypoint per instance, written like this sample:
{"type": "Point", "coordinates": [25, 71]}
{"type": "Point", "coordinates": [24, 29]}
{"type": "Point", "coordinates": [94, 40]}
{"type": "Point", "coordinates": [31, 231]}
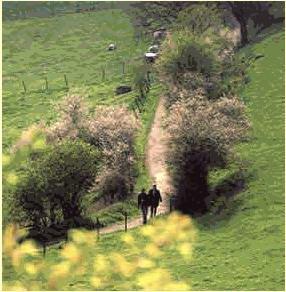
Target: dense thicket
{"type": "Point", "coordinates": [53, 184]}
{"type": "Point", "coordinates": [206, 118]}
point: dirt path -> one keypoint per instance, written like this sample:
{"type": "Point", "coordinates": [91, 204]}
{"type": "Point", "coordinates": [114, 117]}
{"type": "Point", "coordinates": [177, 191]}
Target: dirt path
{"type": "Point", "coordinates": [155, 162]}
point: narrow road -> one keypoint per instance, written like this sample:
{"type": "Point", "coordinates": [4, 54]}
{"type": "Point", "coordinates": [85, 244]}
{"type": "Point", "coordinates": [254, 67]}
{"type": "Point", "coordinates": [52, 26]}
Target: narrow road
{"type": "Point", "coordinates": [155, 162]}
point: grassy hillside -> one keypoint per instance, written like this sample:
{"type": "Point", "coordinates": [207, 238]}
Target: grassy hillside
{"type": "Point", "coordinates": [242, 248]}
{"type": "Point", "coordinates": [74, 45]}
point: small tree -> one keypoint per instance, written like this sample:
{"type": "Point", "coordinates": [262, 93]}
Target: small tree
{"type": "Point", "coordinates": [201, 135]}
{"type": "Point", "coordinates": [55, 183]}
{"type": "Point", "coordinates": [199, 18]}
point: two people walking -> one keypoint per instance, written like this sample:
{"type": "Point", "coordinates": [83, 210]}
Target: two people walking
{"type": "Point", "coordinates": [152, 200]}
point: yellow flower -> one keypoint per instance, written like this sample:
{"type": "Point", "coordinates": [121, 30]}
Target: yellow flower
{"type": "Point", "coordinates": [39, 144]}
{"type": "Point", "coordinates": [122, 265]}
{"type": "Point", "coordinates": [82, 237]}
{"type": "Point", "coordinates": [185, 250]}
{"type": "Point", "coordinates": [31, 268]}
{"type": "Point", "coordinates": [152, 250]}
{"type": "Point", "coordinates": [148, 230]}
{"type": "Point", "coordinates": [154, 279]}
{"type": "Point", "coordinates": [145, 263]}
{"type": "Point", "coordinates": [100, 264]}
{"type": "Point", "coordinates": [127, 238]}
{"type": "Point", "coordinates": [6, 159]}
{"type": "Point", "coordinates": [71, 252]}
{"type": "Point", "coordinates": [28, 248]}
{"type": "Point", "coordinates": [9, 239]}
{"type": "Point", "coordinates": [59, 271]}
{"type": "Point", "coordinates": [12, 178]}
{"type": "Point", "coordinates": [95, 282]}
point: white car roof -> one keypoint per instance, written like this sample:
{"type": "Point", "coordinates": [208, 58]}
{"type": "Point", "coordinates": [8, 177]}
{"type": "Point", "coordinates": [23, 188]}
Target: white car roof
{"type": "Point", "coordinates": [150, 54]}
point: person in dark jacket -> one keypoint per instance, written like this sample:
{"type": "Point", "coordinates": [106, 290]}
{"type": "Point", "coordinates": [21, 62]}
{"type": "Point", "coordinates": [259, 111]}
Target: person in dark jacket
{"type": "Point", "coordinates": [155, 195]}
{"type": "Point", "coordinates": [143, 204]}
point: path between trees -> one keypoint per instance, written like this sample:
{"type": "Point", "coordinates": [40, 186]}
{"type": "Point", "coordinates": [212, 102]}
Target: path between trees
{"type": "Point", "coordinates": [155, 162]}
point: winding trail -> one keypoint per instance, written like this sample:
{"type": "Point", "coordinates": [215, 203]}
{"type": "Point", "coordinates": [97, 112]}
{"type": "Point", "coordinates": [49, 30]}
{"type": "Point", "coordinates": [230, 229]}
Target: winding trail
{"type": "Point", "coordinates": [155, 162]}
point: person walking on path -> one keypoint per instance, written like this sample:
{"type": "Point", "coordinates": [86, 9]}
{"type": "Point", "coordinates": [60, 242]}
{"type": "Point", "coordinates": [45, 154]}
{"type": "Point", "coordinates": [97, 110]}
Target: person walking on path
{"type": "Point", "coordinates": [155, 195]}
{"type": "Point", "coordinates": [143, 204]}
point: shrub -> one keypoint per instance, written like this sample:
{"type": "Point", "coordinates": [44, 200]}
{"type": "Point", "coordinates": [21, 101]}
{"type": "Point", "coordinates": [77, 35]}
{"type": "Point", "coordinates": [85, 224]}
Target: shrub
{"type": "Point", "coordinates": [72, 113]}
{"type": "Point", "coordinates": [54, 183]}
{"type": "Point", "coordinates": [201, 134]}
{"type": "Point", "coordinates": [199, 18]}
{"type": "Point", "coordinates": [111, 130]}
{"type": "Point", "coordinates": [112, 186]}
{"type": "Point", "coordinates": [190, 62]}
{"type": "Point", "coordinates": [142, 79]}
{"type": "Point", "coordinates": [83, 260]}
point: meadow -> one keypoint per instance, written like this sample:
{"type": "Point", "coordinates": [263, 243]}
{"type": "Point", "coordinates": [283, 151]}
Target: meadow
{"type": "Point", "coordinates": [39, 53]}
{"type": "Point", "coordinates": [239, 246]}
{"type": "Point", "coordinates": [242, 246]}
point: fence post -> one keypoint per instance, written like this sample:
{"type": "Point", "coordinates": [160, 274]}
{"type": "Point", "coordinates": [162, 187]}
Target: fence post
{"type": "Point", "coordinates": [47, 84]}
{"type": "Point", "coordinates": [44, 249]}
{"type": "Point", "coordinates": [123, 68]}
{"type": "Point", "coordinates": [137, 104]}
{"type": "Point", "coordinates": [66, 81]}
{"type": "Point", "coordinates": [97, 227]}
{"type": "Point", "coordinates": [103, 74]}
{"type": "Point", "coordinates": [24, 86]}
{"type": "Point", "coordinates": [125, 221]}
{"type": "Point", "coordinates": [171, 207]}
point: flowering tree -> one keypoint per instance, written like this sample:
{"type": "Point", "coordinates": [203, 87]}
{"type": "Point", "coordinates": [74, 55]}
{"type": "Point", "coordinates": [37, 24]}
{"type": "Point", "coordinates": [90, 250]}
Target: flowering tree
{"type": "Point", "coordinates": [201, 134]}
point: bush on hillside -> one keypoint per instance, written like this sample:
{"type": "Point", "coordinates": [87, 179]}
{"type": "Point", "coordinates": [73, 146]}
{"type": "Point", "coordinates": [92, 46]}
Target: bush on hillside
{"type": "Point", "coordinates": [142, 79]}
{"type": "Point", "coordinates": [199, 18]}
{"type": "Point", "coordinates": [190, 62]}
{"type": "Point", "coordinates": [54, 184]}
{"type": "Point", "coordinates": [201, 134]}
{"type": "Point", "coordinates": [72, 114]}
{"type": "Point", "coordinates": [112, 130]}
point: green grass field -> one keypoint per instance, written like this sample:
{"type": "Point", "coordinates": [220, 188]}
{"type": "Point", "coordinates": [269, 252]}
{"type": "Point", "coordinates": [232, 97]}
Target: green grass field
{"type": "Point", "coordinates": [74, 45]}
{"type": "Point", "coordinates": [242, 248]}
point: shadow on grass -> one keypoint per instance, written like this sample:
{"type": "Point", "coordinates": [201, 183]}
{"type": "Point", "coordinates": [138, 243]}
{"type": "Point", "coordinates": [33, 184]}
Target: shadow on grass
{"type": "Point", "coordinates": [222, 202]}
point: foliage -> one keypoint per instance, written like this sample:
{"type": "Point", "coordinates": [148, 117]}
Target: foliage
{"type": "Point", "coordinates": [194, 18]}
{"type": "Point", "coordinates": [72, 113]}
{"type": "Point", "coordinates": [77, 258]}
{"type": "Point", "coordinates": [201, 134]}
{"type": "Point", "coordinates": [155, 14]}
{"type": "Point", "coordinates": [142, 79]}
{"type": "Point", "coordinates": [54, 183]}
{"type": "Point", "coordinates": [32, 143]}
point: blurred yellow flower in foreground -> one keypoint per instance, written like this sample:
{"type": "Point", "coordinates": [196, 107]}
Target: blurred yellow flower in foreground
{"type": "Point", "coordinates": [122, 265]}
{"type": "Point", "coordinates": [12, 178]}
{"type": "Point", "coordinates": [100, 263]}
{"type": "Point", "coordinates": [71, 252]}
{"type": "Point", "coordinates": [39, 144]}
{"type": "Point", "coordinates": [9, 239]}
{"type": "Point", "coordinates": [31, 268]}
{"type": "Point", "coordinates": [159, 279]}
{"type": "Point", "coordinates": [95, 282]}
{"type": "Point", "coordinates": [82, 237]}
{"type": "Point", "coordinates": [185, 250]}
{"type": "Point", "coordinates": [128, 239]}
{"type": "Point", "coordinates": [6, 159]}
{"type": "Point", "coordinates": [139, 267]}
{"type": "Point", "coordinates": [152, 250]}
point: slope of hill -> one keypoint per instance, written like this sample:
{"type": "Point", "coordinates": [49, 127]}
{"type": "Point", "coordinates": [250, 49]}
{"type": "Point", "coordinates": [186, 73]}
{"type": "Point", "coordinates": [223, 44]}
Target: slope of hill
{"type": "Point", "coordinates": [242, 247]}
{"type": "Point", "coordinates": [39, 52]}
{"type": "Point", "coordinates": [74, 45]}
